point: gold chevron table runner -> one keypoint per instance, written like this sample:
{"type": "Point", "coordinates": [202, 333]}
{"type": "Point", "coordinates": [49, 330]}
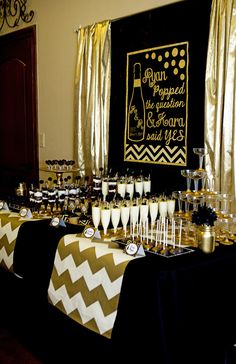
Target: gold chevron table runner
{"type": "Point", "coordinates": [10, 223]}
{"type": "Point", "coordinates": [86, 281]}
{"type": "Point", "coordinates": [9, 226]}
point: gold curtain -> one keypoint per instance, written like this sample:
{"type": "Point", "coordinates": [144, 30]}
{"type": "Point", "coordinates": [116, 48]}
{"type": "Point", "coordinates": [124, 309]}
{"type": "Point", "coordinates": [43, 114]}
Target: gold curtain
{"type": "Point", "coordinates": [220, 96]}
{"type": "Point", "coordinates": [92, 98]}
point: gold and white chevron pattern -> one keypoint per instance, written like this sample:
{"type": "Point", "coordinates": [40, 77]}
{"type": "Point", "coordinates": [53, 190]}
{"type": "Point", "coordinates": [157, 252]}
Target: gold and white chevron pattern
{"type": "Point", "coordinates": [9, 227]}
{"type": "Point", "coordinates": [158, 154]}
{"type": "Point", "coordinates": [86, 281]}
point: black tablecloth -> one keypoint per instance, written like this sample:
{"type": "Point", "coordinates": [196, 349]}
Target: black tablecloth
{"type": "Point", "coordinates": [35, 250]}
{"type": "Point", "coordinates": [180, 309]}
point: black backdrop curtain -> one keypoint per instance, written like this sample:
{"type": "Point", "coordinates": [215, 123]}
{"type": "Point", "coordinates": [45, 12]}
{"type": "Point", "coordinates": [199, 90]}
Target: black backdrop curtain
{"type": "Point", "coordinates": [183, 22]}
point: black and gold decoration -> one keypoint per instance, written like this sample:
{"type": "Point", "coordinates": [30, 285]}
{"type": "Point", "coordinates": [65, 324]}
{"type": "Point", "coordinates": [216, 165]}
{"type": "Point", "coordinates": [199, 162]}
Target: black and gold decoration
{"type": "Point", "coordinates": [158, 91]}
{"type": "Point", "coordinates": [12, 11]}
{"type": "Point", "coordinates": [156, 105]}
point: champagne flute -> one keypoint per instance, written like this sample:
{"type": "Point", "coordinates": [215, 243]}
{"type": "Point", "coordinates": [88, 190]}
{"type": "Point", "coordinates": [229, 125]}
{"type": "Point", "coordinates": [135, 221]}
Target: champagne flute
{"type": "Point", "coordinates": [130, 187]}
{"type": "Point", "coordinates": [225, 201]}
{"type": "Point", "coordinates": [96, 215]}
{"type": "Point", "coordinates": [144, 208]}
{"type": "Point", "coordinates": [201, 152]}
{"type": "Point", "coordinates": [153, 209]}
{"type": "Point", "coordinates": [134, 215]}
{"type": "Point", "coordinates": [124, 213]}
{"type": "Point", "coordinates": [139, 186]}
{"type": "Point", "coordinates": [210, 184]}
{"type": "Point", "coordinates": [104, 188]}
{"type": "Point", "coordinates": [196, 176]}
{"type": "Point", "coordinates": [121, 187]}
{"type": "Point", "coordinates": [105, 217]}
{"type": "Point", "coordinates": [195, 200]}
{"type": "Point", "coordinates": [115, 216]}
{"type": "Point", "coordinates": [147, 185]}
{"type": "Point", "coordinates": [184, 197]}
{"type": "Point", "coordinates": [177, 196]}
{"type": "Point", "coordinates": [213, 201]}
{"type": "Point", "coordinates": [163, 208]}
{"type": "Point", "coordinates": [187, 173]}
{"type": "Point", "coordinates": [170, 207]}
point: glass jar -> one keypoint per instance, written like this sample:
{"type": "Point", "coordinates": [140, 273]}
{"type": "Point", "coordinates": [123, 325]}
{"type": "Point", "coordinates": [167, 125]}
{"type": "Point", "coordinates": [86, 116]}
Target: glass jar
{"type": "Point", "coordinates": [206, 238]}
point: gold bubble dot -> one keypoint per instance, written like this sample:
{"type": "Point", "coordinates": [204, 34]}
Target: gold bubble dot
{"type": "Point", "coordinates": [175, 52]}
{"type": "Point", "coordinates": [159, 58]}
{"type": "Point", "coordinates": [182, 63]}
{"type": "Point", "coordinates": [173, 62]}
{"type": "Point", "coordinates": [182, 52]}
{"type": "Point", "coordinates": [153, 55]}
{"type": "Point", "coordinates": [147, 56]}
{"type": "Point", "coordinates": [182, 76]}
{"type": "Point", "coordinates": [167, 54]}
{"type": "Point", "coordinates": [176, 71]}
{"type": "Point", "coordinates": [166, 64]}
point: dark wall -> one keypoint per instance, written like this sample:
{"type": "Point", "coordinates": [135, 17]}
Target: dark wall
{"type": "Point", "coordinates": [187, 21]}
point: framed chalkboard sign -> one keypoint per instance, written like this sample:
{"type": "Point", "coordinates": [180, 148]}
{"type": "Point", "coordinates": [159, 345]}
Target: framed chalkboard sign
{"type": "Point", "coordinates": [158, 90]}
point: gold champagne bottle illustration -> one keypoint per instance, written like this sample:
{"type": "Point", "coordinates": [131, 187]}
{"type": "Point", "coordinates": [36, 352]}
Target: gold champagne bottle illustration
{"type": "Point", "coordinates": [136, 112]}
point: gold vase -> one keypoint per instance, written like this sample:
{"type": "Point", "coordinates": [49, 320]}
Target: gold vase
{"type": "Point", "coordinates": [206, 238]}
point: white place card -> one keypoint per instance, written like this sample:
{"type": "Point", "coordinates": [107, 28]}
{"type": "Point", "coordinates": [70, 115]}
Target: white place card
{"type": "Point", "coordinates": [3, 206]}
{"type": "Point", "coordinates": [25, 212]}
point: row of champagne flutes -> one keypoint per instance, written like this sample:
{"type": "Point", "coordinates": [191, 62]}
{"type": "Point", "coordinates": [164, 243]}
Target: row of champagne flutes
{"type": "Point", "coordinates": [196, 176]}
{"type": "Point", "coordinates": [225, 225]}
{"type": "Point", "coordinates": [195, 196]}
{"type": "Point", "coordinates": [122, 186]}
{"type": "Point", "coordinates": [207, 194]}
{"type": "Point", "coordinates": [219, 202]}
{"type": "Point", "coordinates": [131, 212]}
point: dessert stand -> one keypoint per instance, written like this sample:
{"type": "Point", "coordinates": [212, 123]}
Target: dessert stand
{"type": "Point", "coordinates": [59, 172]}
